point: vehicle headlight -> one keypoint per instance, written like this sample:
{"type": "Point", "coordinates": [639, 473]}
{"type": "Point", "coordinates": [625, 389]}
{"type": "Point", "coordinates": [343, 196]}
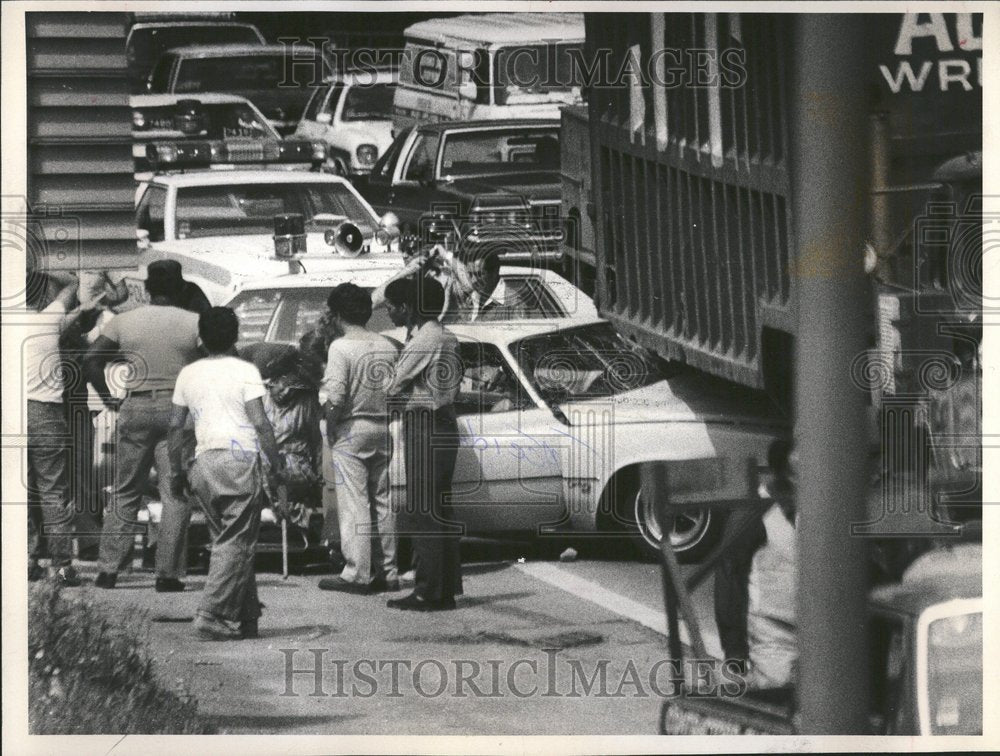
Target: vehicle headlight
{"type": "Point", "coordinates": [367, 153]}
{"type": "Point", "coordinates": [138, 119]}
{"type": "Point", "coordinates": [318, 152]}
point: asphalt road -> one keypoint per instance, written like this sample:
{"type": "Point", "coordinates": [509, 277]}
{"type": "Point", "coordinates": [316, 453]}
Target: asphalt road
{"type": "Point", "coordinates": [536, 646]}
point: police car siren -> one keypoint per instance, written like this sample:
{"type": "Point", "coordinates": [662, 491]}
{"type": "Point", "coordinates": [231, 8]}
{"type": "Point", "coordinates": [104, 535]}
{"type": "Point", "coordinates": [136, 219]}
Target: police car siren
{"type": "Point", "coordinates": [346, 238]}
{"type": "Point", "coordinates": [289, 236]}
{"type": "Point", "coordinates": [178, 155]}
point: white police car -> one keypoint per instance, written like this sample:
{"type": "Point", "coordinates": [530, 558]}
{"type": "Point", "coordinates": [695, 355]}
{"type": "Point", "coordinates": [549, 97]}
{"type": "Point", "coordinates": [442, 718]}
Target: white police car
{"type": "Point", "coordinates": [226, 205]}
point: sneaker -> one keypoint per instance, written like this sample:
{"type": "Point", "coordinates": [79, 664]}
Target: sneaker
{"type": "Point", "coordinates": [169, 585]}
{"type": "Point", "coordinates": [35, 572]}
{"type": "Point", "coordinates": [66, 577]}
{"type": "Point", "coordinates": [414, 603]}
{"type": "Point", "coordinates": [212, 629]}
{"type": "Point", "coordinates": [105, 580]}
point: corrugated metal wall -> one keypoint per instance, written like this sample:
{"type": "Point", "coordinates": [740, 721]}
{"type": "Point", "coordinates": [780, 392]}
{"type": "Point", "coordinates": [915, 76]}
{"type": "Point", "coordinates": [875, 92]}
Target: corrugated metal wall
{"type": "Point", "coordinates": [80, 173]}
{"type": "Point", "coordinates": [692, 185]}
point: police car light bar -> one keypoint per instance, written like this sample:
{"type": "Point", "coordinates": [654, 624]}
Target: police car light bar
{"type": "Point", "coordinates": [205, 154]}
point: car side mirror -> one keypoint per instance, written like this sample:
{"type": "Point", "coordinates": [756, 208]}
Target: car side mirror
{"type": "Point", "coordinates": [324, 118]}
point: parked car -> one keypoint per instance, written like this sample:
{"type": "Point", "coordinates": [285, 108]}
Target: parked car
{"type": "Point", "coordinates": [352, 115]}
{"type": "Point", "coordinates": [154, 33]}
{"type": "Point", "coordinates": [489, 66]}
{"type": "Point", "coordinates": [209, 130]}
{"type": "Point", "coordinates": [500, 180]}
{"type": "Point", "coordinates": [278, 79]}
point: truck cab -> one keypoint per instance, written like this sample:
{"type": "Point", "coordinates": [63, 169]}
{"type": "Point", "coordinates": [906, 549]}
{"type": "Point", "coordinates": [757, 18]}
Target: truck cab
{"type": "Point", "coordinates": [489, 66]}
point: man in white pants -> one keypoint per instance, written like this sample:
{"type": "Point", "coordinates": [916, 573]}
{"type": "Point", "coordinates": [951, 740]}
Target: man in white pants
{"type": "Point", "coordinates": [358, 370]}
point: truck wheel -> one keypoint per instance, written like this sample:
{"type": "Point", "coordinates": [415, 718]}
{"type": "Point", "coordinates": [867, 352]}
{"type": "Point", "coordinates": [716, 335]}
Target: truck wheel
{"type": "Point", "coordinates": [692, 534]}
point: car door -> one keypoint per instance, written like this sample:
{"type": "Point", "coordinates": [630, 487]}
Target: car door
{"type": "Point", "coordinates": [508, 471]}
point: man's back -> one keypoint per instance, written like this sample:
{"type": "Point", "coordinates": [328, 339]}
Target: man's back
{"type": "Point", "coordinates": [215, 390]}
{"type": "Point", "coordinates": [158, 341]}
{"type": "Point", "coordinates": [358, 371]}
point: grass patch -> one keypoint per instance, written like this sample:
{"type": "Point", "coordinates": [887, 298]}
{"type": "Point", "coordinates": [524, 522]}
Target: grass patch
{"type": "Point", "coordinates": [90, 672]}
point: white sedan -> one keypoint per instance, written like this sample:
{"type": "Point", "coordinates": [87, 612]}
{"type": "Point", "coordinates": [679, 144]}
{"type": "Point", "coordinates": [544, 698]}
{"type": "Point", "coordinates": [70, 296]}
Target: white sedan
{"type": "Point", "coordinates": [556, 418]}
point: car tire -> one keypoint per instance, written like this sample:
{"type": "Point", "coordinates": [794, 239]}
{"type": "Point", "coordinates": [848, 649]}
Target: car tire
{"type": "Point", "coordinates": [693, 534]}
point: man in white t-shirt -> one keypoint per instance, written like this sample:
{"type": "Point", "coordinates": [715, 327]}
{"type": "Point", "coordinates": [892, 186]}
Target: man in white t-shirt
{"type": "Point", "coordinates": [51, 298]}
{"type": "Point", "coordinates": [224, 396]}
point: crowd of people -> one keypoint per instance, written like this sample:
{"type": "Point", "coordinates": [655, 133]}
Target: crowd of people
{"type": "Point", "coordinates": [238, 430]}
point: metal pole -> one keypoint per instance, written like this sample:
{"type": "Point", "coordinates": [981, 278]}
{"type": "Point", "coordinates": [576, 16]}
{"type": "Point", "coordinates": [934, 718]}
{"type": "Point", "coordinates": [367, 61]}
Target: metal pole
{"type": "Point", "coordinates": [830, 182]}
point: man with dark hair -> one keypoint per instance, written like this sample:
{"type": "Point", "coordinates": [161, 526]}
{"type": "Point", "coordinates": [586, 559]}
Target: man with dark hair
{"type": "Point", "coordinates": [358, 367]}
{"type": "Point", "coordinates": [156, 340]}
{"type": "Point", "coordinates": [424, 386]}
{"type": "Point", "coordinates": [224, 394]}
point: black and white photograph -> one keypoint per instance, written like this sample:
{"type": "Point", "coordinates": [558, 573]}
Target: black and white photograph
{"type": "Point", "coordinates": [443, 377]}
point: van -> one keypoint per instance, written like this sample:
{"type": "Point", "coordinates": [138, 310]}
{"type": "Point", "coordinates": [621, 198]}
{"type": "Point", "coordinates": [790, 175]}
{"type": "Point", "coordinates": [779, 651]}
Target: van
{"type": "Point", "coordinates": [493, 66]}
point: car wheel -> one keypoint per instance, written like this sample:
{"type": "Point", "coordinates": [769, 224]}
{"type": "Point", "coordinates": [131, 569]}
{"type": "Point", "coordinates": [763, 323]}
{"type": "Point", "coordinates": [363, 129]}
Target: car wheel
{"type": "Point", "coordinates": [692, 534]}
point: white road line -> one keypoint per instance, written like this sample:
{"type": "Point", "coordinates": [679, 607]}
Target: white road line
{"type": "Point", "coordinates": [622, 605]}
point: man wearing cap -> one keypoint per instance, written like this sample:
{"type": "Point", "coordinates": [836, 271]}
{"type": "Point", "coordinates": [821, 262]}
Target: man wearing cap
{"type": "Point", "coordinates": [190, 296]}
{"type": "Point", "coordinates": [156, 341]}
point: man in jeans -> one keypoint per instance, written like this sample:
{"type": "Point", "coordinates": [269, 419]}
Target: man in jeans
{"type": "Point", "coordinates": [224, 395]}
{"type": "Point", "coordinates": [48, 432]}
{"type": "Point", "coordinates": [157, 340]}
{"type": "Point", "coordinates": [357, 369]}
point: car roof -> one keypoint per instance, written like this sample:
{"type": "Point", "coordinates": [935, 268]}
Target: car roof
{"type": "Point", "coordinates": [149, 21]}
{"type": "Point", "coordinates": [498, 29]}
{"type": "Point", "coordinates": [485, 125]}
{"type": "Point", "coordinates": [503, 332]}
{"type": "Point", "coordinates": [211, 98]}
{"type": "Point", "coordinates": [222, 178]}
{"type": "Point", "coordinates": [237, 48]}
{"type": "Point", "coordinates": [382, 74]}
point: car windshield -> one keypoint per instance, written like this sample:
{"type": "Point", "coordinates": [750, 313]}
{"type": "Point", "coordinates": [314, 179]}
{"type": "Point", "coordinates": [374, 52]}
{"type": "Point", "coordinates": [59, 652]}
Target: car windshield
{"type": "Point", "coordinates": [372, 102]}
{"type": "Point", "coordinates": [250, 209]}
{"type": "Point", "coordinates": [146, 44]}
{"type": "Point", "coordinates": [286, 315]}
{"type": "Point", "coordinates": [535, 70]}
{"type": "Point", "coordinates": [587, 362]}
{"type": "Point", "coordinates": [495, 151]}
{"type": "Point", "coordinates": [198, 120]}
{"type": "Point", "coordinates": [240, 73]}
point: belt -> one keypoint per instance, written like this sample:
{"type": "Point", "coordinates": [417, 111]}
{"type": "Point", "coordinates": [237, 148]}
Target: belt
{"type": "Point", "coordinates": [151, 393]}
